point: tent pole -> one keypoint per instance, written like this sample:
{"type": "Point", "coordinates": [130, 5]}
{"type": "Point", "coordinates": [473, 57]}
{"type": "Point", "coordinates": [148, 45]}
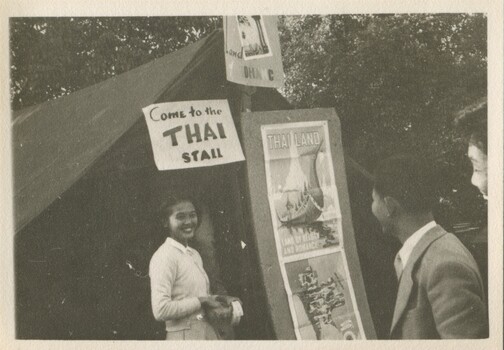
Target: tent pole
{"type": "Point", "coordinates": [246, 93]}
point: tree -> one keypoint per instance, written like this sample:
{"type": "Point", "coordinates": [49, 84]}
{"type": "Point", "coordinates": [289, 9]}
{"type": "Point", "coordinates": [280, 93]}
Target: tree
{"type": "Point", "coordinates": [395, 81]}
{"type": "Point", "coordinates": [51, 57]}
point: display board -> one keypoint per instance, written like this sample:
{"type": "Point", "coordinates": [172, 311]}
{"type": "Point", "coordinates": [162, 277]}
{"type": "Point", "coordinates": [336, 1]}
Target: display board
{"type": "Point", "coordinates": [302, 224]}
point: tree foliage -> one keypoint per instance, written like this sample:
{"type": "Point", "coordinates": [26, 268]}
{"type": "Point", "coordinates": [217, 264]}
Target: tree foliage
{"type": "Point", "coordinates": [51, 57]}
{"type": "Point", "coordinates": [395, 80]}
{"type": "Point", "coordinates": [386, 75]}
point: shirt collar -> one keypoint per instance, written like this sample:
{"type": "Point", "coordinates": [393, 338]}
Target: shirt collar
{"type": "Point", "coordinates": [411, 242]}
{"type": "Point", "coordinates": [178, 245]}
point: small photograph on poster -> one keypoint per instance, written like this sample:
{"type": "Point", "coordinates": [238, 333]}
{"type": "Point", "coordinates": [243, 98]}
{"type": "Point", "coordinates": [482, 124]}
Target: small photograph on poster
{"type": "Point", "coordinates": [321, 298]}
{"type": "Point", "coordinates": [253, 37]}
{"type": "Point", "coordinates": [303, 196]}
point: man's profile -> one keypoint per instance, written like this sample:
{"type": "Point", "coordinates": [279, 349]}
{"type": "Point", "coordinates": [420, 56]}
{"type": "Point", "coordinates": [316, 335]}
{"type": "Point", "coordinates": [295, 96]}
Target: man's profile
{"type": "Point", "coordinates": [440, 292]}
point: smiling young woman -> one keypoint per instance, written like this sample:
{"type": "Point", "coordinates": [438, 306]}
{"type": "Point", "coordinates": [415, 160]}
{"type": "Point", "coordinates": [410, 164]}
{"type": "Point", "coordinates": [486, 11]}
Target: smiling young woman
{"type": "Point", "coordinates": [180, 288]}
{"type": "Point", "coordinates": [182, 221]}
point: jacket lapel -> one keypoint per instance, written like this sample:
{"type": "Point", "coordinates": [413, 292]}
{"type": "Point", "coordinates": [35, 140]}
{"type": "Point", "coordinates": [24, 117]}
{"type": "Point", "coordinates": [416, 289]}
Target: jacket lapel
{"type": "Point", "coordinates": [406, 282]}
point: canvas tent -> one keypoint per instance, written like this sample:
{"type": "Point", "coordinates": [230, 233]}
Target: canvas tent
{"type": "Point", "coordinates": [83, 174]}
{"type": "Point", "coordinates": [57, 141]}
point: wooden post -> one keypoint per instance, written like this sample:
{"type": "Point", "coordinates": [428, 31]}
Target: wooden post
{"type": "Point", "coordinates": [246, 93]}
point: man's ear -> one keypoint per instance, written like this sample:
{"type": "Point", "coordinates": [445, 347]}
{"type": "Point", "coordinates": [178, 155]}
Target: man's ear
{"type": "Point", "coordinates": [392, 205]}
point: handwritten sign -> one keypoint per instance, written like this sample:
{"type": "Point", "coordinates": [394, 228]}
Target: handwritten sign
{"type": "Point", "coordinates": [192, 134]}
{"type": "Point", "coordinates": [252, 51]}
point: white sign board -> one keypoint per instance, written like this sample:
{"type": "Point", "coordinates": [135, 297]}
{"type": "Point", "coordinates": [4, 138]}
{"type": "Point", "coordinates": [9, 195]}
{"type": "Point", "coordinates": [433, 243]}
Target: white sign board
{"type": "Point", "coordinates": [191, 134]}
{"type": "Point", "coordinates": [252, 51]}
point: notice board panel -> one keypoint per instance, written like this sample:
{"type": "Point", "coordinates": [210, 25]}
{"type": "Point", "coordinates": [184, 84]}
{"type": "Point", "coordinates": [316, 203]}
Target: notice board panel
{"type": "Point", "coordinates": [302, 225]}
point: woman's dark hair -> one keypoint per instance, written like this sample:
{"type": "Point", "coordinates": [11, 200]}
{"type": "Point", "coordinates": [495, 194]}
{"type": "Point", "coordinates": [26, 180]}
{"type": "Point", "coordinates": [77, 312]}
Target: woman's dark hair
{"type": "Point", "coordinates": [407, 179]}
{"type": "Point", "coordinates": [165, 208]}
{"type": "Point", "coordinates": [472, 122]}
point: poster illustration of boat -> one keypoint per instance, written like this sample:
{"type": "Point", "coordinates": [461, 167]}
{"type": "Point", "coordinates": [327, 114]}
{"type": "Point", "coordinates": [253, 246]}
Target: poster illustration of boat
{"type": "Point", "coordinates": [306, 218]}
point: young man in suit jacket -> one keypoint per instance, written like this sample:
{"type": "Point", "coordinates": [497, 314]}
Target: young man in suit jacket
{"type": "Point", "coordinates": [440, 293]}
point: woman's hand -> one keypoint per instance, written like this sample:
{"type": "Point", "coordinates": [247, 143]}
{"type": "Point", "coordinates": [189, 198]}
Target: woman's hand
{"type": "Point", "coordinates": [227, 299]}
{"type": "Point", "coordinates": [209, 302]}
{"type": "Point", "coordinates": [220, 313]}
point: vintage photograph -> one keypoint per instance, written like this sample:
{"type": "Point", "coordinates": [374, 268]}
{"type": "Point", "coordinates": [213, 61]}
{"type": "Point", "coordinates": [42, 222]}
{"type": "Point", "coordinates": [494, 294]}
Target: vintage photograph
{"type": "Point", "coordinates": [251, 177]}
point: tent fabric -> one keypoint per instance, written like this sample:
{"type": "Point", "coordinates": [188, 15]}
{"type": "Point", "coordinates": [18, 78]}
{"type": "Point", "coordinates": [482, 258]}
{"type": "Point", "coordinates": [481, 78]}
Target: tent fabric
{"type": "Point", "coordinates": [54, 143]}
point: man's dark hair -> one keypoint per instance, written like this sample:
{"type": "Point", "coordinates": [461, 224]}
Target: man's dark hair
{"type": "Point", "coordinates": [408, 180]}
{"type": "Point", "coordinates": [472, 122]}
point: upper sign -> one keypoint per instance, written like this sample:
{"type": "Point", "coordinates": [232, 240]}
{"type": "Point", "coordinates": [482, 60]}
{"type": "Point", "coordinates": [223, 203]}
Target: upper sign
{"type": "Point", "coordinates": [192, 134]}
{"type": "Point", "coordinates": [252, 51]}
